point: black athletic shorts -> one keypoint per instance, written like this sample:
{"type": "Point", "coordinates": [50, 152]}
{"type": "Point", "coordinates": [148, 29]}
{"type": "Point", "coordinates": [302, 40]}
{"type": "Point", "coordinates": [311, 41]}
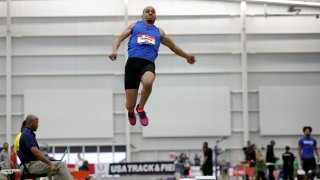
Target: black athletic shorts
{"type": "Point", "coordinates": [309, 164]}
{"type": "Point", "coordinates": [135, 68]}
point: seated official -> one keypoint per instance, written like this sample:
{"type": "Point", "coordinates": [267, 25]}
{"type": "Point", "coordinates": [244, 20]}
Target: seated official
{"type": "Point", "coordinates": [35, 160]}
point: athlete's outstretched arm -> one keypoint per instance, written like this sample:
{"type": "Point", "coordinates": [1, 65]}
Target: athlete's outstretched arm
{"type": "Point", "coordinates": [116, 44]}
{"type": "Point", "coordinates": [175, 48]}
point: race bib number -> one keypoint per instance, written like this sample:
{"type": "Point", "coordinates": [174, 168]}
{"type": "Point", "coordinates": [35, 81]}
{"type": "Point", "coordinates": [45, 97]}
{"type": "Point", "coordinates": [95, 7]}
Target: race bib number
{"type": "Point", "coordinates": [146, 39]}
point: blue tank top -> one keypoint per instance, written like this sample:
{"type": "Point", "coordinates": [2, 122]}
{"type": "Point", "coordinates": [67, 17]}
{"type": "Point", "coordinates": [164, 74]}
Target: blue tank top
{"type": "Point", "coordinates": [144, 41]}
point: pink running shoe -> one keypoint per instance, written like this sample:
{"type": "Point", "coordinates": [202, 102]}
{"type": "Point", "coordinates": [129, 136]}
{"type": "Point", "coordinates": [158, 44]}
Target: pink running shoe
{"type": "Point", "coordinates": [143, 116]}
{"type": "Point", "coordinates": [132, 117]}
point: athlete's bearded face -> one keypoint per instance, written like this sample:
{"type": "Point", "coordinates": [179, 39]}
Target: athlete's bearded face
{"type": "Point", "coordinates": [149, 15]}
{"type": "Point", "coordinates": [307, 132]}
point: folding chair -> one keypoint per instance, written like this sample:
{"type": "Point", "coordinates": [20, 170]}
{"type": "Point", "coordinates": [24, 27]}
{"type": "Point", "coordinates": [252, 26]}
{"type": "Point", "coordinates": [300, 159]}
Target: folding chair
{"type": "Point", "coordinates": [25, 174]}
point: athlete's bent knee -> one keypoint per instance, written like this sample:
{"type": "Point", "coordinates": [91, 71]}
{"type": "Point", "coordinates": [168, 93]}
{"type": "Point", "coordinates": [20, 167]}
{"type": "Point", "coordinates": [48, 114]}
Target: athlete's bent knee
{"type": "Point", "coordinates": [130, 106]}
{"type": "Point", "coordinates": [148, 86]}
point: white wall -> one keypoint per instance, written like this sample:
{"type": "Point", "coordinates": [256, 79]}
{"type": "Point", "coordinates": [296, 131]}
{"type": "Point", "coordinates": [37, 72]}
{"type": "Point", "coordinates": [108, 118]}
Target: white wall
{"type": "Point", "coordinates": [2, 69]}
{"type": "Point", "coordinates": [293, 106]}
{"type": "Point", "coordinates": [71, 113]}
{"type": "Point", "coordinates": [64, 45]}
{"type": "Point", "coordinates": [283, 51]}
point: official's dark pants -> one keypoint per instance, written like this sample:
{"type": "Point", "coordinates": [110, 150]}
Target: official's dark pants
{"type": "Point", "coordinates": [207, 170]}
{"type": "Point", "coordinates": [287, 173]}
{"type": "Point", "coordinates": [270, 172]}
{"type": "Point", "coordinates": [261, 175]}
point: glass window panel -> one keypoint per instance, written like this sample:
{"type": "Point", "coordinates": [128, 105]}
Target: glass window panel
{"type": "Point", "coordinates": [90, 149]}
{"type": "Point", "coordinates": [105, 157]}
{"type": "Point", "coordinates": [60, 149]}
{"type": "Point", "coordinates": [72, 158]}
{"type": "Point", "coordinates": [91, 154]}
{"type": "Point", "coordinates": [76, 149]}
{"type": "Point", "coordinates": [58, 156]}
{"type": "Point", "coordinates": [119, 157]}
{"type": "Point", "coordinates": [51, 154]}
{"type": "Point", "coordinates": [120, 148]}
{"type": "Point", "coordinates": [92, 158]}
{"type": "Point", "coordinates": [105, 148]}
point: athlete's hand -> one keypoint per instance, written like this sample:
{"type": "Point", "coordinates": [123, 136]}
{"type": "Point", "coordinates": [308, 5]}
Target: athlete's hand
{"type": "Point", "coordinates": [54, 169]}
{"type": "Point", "coordinates": [191, 59]}
{"type": "Point", "coordinates": [113, 55]}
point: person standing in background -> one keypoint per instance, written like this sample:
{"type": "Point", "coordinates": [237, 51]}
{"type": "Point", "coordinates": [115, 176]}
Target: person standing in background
{"type": "Point", "coordinates": [260, 166]}
{"type": "Point", "coordinates": [197, 160]}
{"type": "Point", "coordinates": [207, 161]}
{"type": "Point", "coordinates": [306, 150]}
{"type": "Point", "coordinates": [13, 162]}
{"type": "Point", "coordinates": [79, 162]}
{"type": "Point", "coordinates": [13, 159]}
{"type": "Point", "coordinates": [288, 160]}
{"type": "Point", "coordinates": [4, 156]}
{"type": "Point", "coordinates": [270, 159]}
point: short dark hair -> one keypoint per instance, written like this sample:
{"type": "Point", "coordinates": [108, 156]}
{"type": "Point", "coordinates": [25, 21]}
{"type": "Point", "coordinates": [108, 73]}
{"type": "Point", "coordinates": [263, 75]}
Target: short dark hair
{"type": "Point", "coordinates": [307, 127]}
{"type": "Point", "coordinates": [272, 142]}
{"type": "Point", "coordinates": [287, 148]}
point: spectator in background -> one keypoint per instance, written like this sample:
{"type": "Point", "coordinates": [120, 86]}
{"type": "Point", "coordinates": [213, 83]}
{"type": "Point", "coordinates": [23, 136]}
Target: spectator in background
{"type": "Point", "coordinates": [306, 150]}
{"type": "Point", "coordinates": [85, 166]}
{"type": "Point", "coordinates": [288, 160]}
{"type": "Point", "coordinates": [79, 162]}
{"type": "Point", "coordinates": [184, 160]}
{"type": "Point", "coordinates": [17, 139]}
{"type": "Point", "coordinates": [13, 159]}
{"type": "Point", "coordinates": [260, 166]}
{"type": "Point", "coordinates": [252, 159]}
{"type": "Point", "coordinates": [197, 160]}
{"type": "Point", "coordinates": [224, 167]}
{"type": "Point", "coordinates": [186, 167]}
{"type": "Point", "coordinates": [4, 156]}
{"type": "Point", "coordinates": [178, 168]}
{"type": "Point", "coordinates": [246, 151]}
{"type": "Point", "coordinates": [270, 159]}
{"type": "Point", "coordinates": [252, 156]}
{"type": "Point", "coordinates": [207, 161]}
{"type": "Point", "coordinates": [13, 162]}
